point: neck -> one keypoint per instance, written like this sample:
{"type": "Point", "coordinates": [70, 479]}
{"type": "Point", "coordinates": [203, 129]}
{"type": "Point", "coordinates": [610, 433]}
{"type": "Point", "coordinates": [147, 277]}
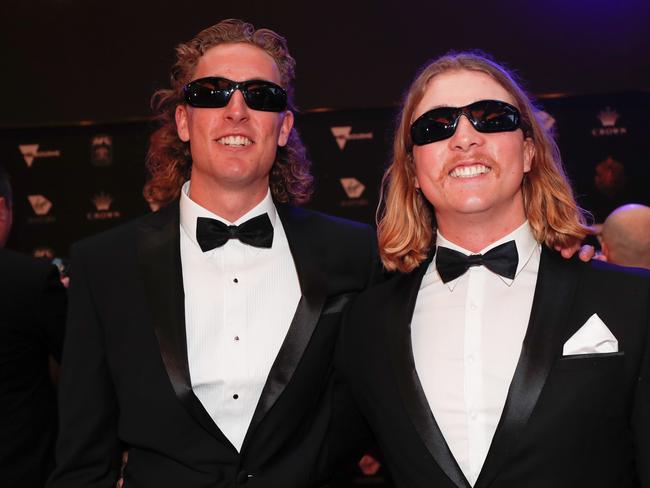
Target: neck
{"type": "Point", "coordinates": [228, 203]}
{"type": "Point", "coordinates": [474, 231]}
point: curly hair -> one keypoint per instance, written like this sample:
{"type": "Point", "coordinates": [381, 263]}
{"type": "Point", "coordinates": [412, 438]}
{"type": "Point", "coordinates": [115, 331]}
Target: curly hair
{"type": "Point", "coordinates": [169, 163]}
{"type": "Point", "coordinates": [406, 220]}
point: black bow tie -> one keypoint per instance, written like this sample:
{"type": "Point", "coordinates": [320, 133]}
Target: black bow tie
{"type": "Point", "coordinates": [502, 260]}
{"type": "Point", "coordinates": [211, 233]}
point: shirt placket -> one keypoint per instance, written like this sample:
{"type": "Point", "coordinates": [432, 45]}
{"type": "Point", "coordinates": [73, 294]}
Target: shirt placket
{"type": "Point", "coordinates": [235, 329]}
{"type": "Point", "coordinates": [473, 363]}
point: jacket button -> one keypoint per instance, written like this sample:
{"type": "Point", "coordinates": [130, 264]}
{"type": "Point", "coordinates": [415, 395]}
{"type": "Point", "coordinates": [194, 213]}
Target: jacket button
{"type": "Point", "coordinates": [242, 477]}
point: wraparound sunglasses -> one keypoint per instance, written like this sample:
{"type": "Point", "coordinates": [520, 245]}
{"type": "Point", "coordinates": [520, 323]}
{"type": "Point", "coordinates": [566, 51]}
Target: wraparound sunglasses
{"type": "Point", "coordinates": [485, 115]}
{"type": "Point", "coordinates": [215, 92]}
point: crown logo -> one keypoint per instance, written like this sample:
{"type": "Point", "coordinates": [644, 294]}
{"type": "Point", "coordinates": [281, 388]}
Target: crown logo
{"type": "Point", "coordinates": [101, 139]}
{"type": "Point", "coordinates": [608, 117]}
{"type": "Point", "coordinates": [353, 187]}
{"type": "Point", "coordinates": [102, 201]}
{"type": "Point", "coordinates": [40, 204]}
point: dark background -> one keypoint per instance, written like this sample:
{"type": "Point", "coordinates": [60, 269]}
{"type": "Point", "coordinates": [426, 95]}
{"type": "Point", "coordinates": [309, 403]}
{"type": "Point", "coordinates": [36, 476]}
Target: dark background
{"type": "Point", "coordinates": [74, 70]}
{"type": "Point", "coordinates": [72, 60]}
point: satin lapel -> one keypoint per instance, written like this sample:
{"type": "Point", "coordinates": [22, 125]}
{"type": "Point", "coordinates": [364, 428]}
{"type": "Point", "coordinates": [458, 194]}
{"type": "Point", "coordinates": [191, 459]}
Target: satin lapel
{"type": "Point", "coordinates": [556, 285]}
{"type": "Point", "coordinates": [398, 329]}
{"type": "Point", "coordinates": [159, 257]}
{"type": "Point", "coordinates": [303, 242]}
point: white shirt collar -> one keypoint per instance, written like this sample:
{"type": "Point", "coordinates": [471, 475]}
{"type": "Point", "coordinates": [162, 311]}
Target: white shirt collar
{"type": "Point", "coordinates": [524, 240]}
{"type": "Point", "coordinates": [190, 211]}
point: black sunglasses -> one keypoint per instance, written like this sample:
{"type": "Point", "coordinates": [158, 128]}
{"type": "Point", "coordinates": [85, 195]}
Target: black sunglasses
{"type": "Point", "coordinates": [485, 115]}
{"type": "Point", "coordinates": [215, 92]}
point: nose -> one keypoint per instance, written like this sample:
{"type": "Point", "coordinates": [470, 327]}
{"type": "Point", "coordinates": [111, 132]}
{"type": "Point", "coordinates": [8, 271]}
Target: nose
{"type": "Point", "coordinates": [465, 137]}
{"type": "Point", "coordinates": [236, 111]}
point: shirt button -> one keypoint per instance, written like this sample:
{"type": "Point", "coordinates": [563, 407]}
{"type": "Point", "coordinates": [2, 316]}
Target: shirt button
{"type": "Point", "coordinates": [235, 280]}
{"type": "Point", "coordinates": [236, 338]}
{"type": "Point", "coordinates": [235, 396]}
{"type": "Point", "coordinates": [472, 415]}
{"type": "Point", "coordinates": [473, 306]}
{"type": "Point", "coordinates": [470, 359]}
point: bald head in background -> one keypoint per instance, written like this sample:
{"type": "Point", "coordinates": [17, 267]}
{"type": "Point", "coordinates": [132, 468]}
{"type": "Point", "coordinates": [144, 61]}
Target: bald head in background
{"type": "Point", "coordinates": [625, 238]}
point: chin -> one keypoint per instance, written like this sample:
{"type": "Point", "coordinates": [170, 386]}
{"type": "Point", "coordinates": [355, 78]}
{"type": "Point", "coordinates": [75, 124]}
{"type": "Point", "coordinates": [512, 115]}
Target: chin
{"type": "Point", "coordinates": [472, 205]}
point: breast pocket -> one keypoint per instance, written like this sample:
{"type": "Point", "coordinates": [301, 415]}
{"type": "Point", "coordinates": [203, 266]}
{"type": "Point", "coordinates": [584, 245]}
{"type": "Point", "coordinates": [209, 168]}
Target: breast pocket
{"type": "Point", "coordinates": [587, 388]}
{"type": "Point", "coordinates": [593, 361]}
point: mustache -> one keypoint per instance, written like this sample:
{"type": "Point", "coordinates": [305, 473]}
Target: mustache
{"type": "Point", "coordinates": [464, 160]}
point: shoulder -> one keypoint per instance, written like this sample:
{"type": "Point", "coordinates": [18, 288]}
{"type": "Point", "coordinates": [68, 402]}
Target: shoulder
{"type": "Point", "coordinates": [326, 231]}
{"type": "Point", "coordinates": [122, 238]}
{"type": "Point", "coordinates": [24, 276]}
{"type": "Point", "coordinates": [599, 277]}
{"type": "Point", "coordinates": [23, 267]}
{"type": "Point", "coordinates": [599, 270]}
{"type": "Point", "coordinates": [319, 220]}
{"type": "Point", "coordinates": [394, 288]}
{"type": "Point", "coordinates": [614, 275]}
{"type": "Point", "coordinates": [18, 263]}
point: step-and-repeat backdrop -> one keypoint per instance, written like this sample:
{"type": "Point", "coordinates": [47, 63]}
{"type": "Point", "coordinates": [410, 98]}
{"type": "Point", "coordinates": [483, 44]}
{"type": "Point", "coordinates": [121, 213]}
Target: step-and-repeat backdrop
{"type": "Point", "coordinates": [71, 182]}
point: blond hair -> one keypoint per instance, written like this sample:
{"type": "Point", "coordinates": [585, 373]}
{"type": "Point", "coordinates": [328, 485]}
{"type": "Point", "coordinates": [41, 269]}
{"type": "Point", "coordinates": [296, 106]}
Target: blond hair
{"type": "Point", "coordinates": [169, 162]}
{"type": "Point", "coordinates": [406, 220]}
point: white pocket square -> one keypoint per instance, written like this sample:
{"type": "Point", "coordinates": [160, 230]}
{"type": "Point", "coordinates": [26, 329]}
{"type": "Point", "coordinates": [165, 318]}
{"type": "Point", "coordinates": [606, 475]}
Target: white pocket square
{"type": "Point", "coordinates": [592, 337]}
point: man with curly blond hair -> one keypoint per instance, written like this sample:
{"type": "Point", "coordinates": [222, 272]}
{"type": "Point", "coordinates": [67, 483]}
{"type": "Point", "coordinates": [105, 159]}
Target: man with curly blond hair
{"type": "Point", "coordinates": [497, 363]}
{"type": "Point", "coordinates": [200, 336]}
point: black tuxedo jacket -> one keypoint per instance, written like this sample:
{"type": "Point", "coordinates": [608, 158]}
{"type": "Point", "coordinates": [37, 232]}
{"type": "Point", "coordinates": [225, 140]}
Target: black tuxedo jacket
{"type": "Point", "coordinates": [125, 377]}
{"type": "Point", "coordinates": [32, 320]}
{"type": "Point", "coordinates": [575, 421]}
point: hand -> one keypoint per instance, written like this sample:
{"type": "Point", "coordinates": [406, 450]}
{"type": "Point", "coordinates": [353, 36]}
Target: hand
{"type": "Point", "coordinates": [599, 256]}
{"type": "Point", "coordinates": [585, 253]}
{"type": "Point", "coordinates": [125, 459]}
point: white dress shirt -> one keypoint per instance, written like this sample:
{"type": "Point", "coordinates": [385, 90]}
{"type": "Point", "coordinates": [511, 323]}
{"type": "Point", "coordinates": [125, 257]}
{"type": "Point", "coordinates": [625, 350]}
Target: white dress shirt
{"type": "Point", "coordinates": [467, 336]}
{"type": "Point", "coordinates": [239, 303]}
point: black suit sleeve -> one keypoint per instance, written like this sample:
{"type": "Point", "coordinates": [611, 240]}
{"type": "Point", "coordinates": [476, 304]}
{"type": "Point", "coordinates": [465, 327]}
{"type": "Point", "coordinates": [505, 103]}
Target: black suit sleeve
{"type": "Point", "coordinates": [349, 435]}
{"type": "Point", "coordinates": [377, 273]}
{"type": "Point", "coordinates": [50, 314]}
{"type": "Point", "coordinates": [88, 444]}
{"type": "Point", "coordinates": [641, 411]}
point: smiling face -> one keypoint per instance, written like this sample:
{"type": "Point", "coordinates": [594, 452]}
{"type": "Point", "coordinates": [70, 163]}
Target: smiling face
{"type": "Point", "coordinates": [472, 174]}
{"type": "Point", "coordinates": [233, 148]}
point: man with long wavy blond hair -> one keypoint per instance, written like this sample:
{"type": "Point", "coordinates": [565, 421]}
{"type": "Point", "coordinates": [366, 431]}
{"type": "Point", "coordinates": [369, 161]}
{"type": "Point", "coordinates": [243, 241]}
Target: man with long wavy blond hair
{"type": "Point", "coordinates": [496, 362]}
{"type": "Point", "coordinates": [200, 337]}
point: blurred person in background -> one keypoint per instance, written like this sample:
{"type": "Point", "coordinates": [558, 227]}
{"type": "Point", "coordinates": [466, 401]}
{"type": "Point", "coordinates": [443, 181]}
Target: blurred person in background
{"type": "Point", "coordinates": [32, 319]}
{"type": "Point", "coordinates": [625, 236]}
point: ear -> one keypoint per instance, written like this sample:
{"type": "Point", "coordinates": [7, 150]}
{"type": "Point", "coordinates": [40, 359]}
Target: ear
{"type": "Point", "coordinates": [529, 153]}
{"type": "Point", "coordinates": [285, 128]}
{"type": "Point", "coordinates": [182, 123]}
{"type": "Point", "coordinates": [4, 209]}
